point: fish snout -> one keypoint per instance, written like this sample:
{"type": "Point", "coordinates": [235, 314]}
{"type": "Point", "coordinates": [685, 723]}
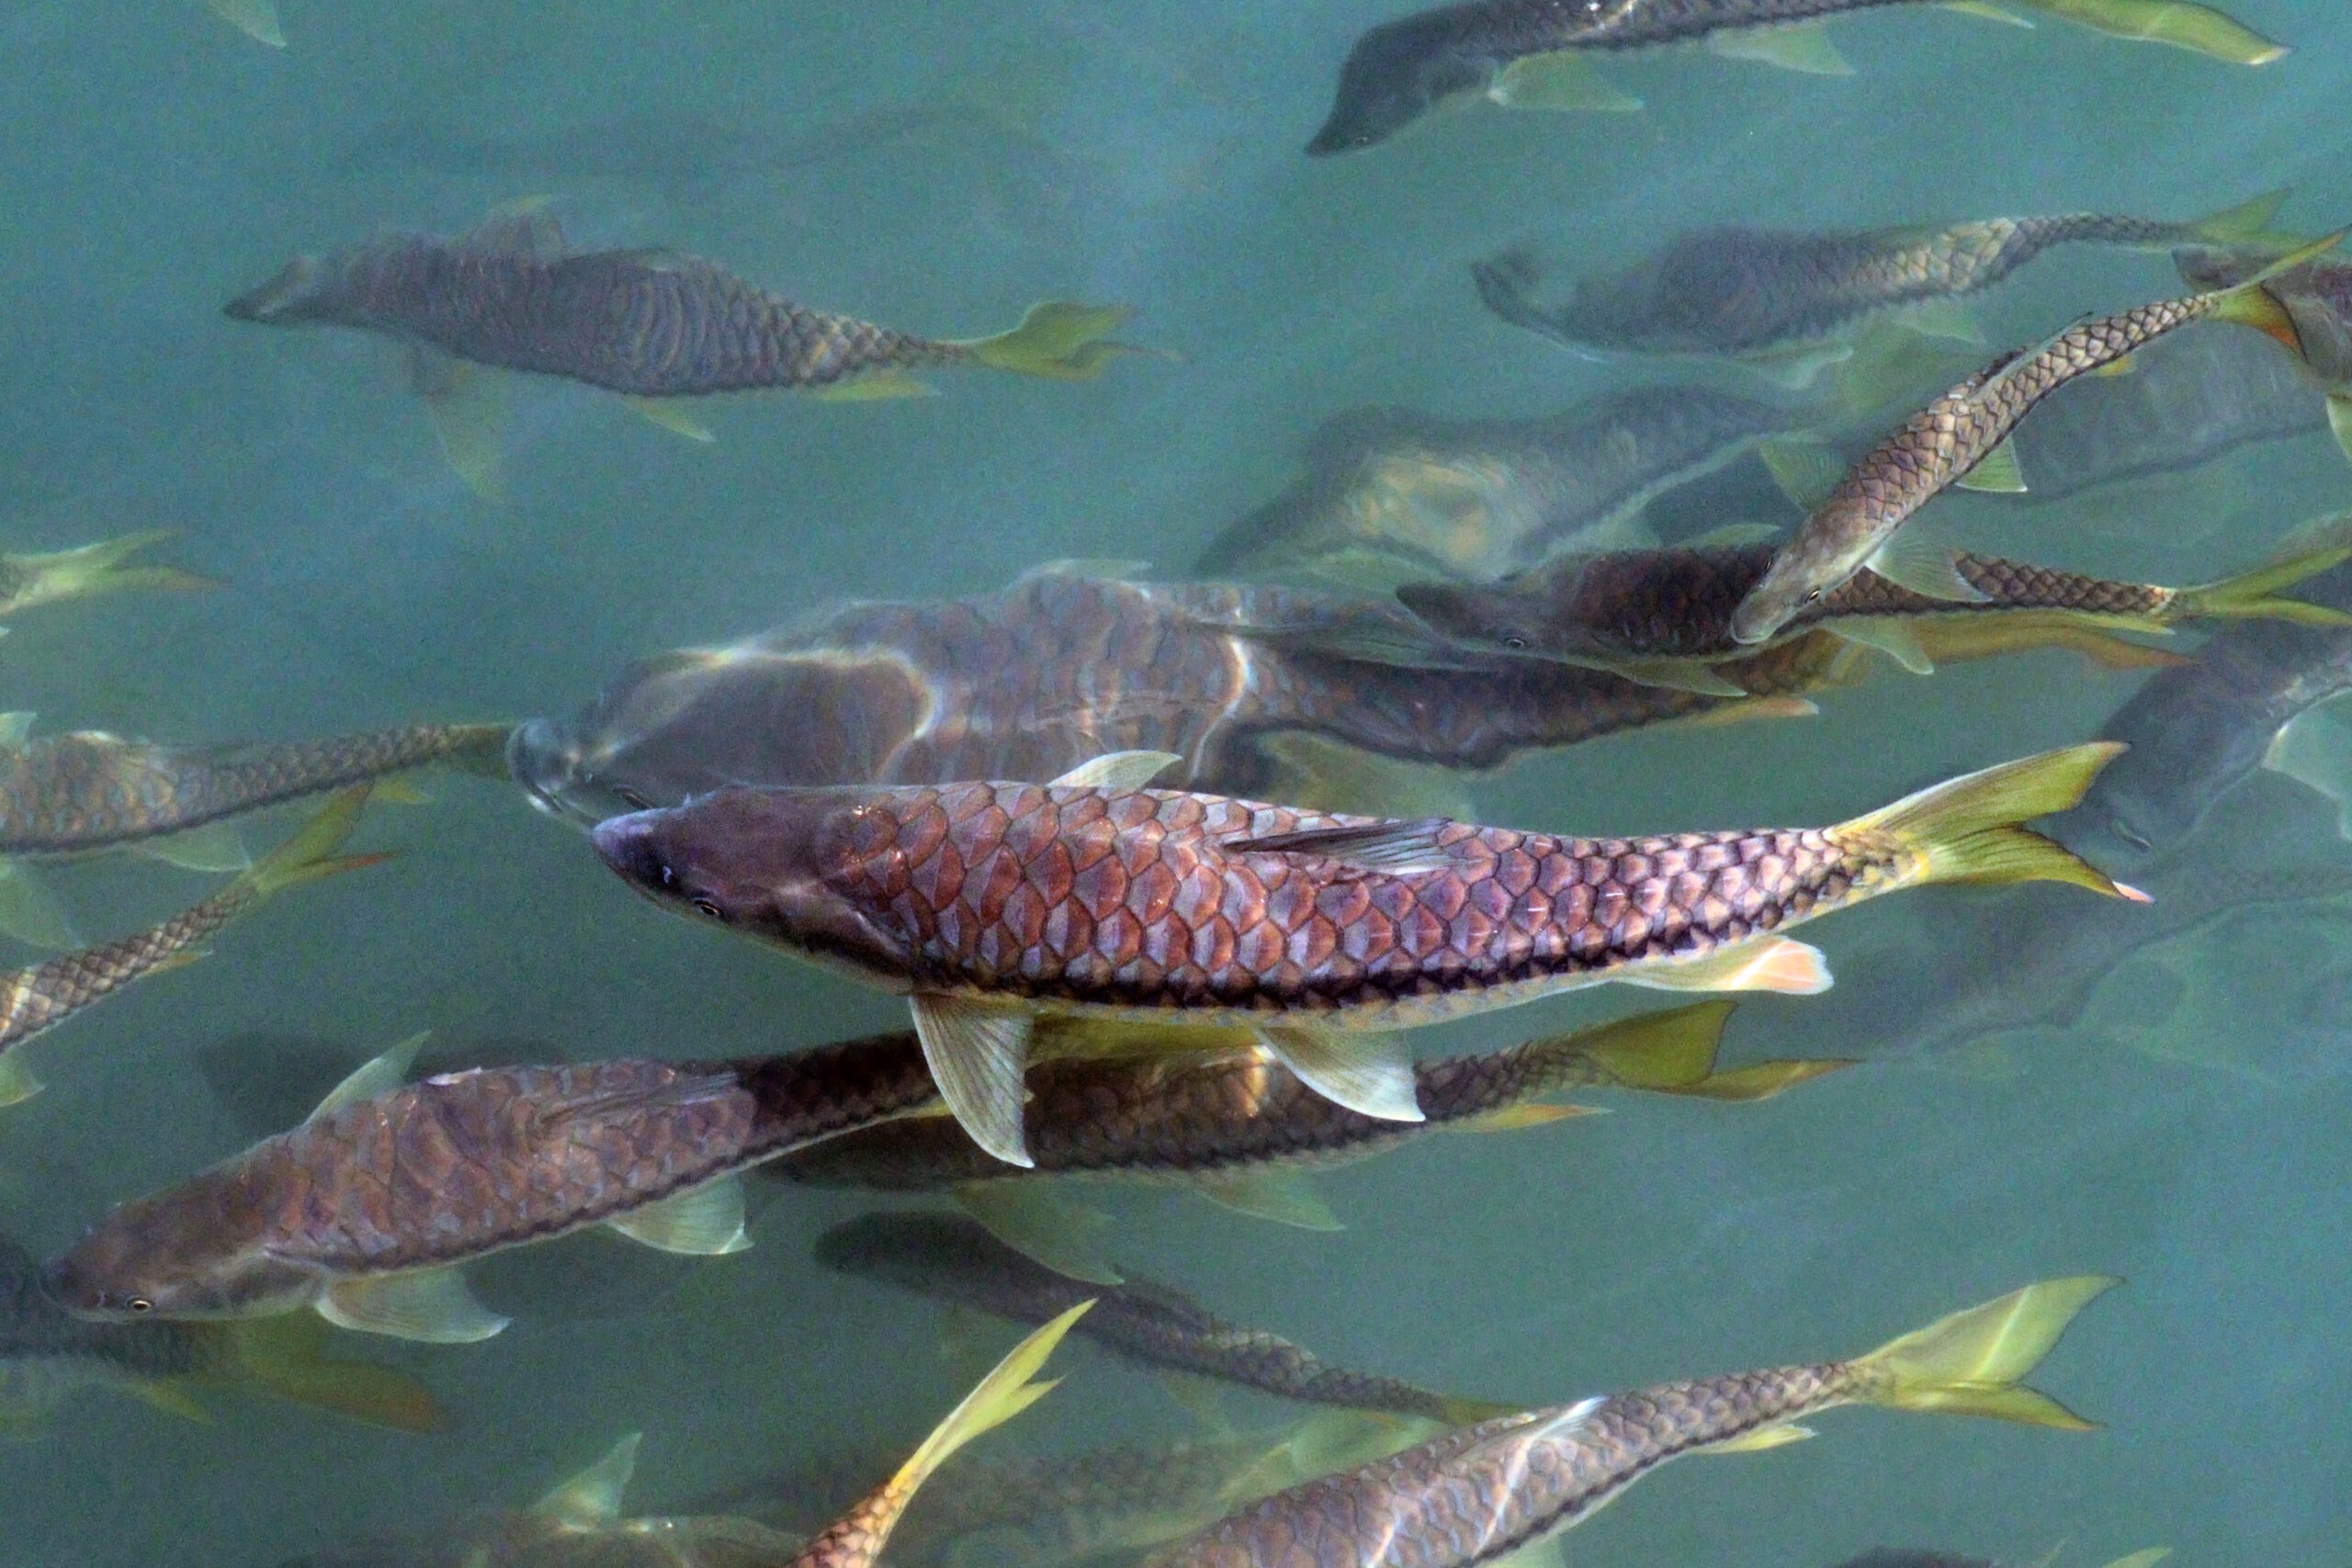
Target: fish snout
{"type": "Point", "coordinates": [70, 1285]}
{"type": "Point", "coordinates": [632, 846]}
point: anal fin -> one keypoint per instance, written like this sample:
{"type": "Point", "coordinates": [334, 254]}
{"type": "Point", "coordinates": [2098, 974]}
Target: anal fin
{"type": "Point", "coordinates": [1563, 81]}
{"type": "Point", "coordinates": [1371, 1074]}
{"type": "Point", "coordinates": [1066, 1238]}
{"type": "Point", "coordinates": [1998, 471]}
{"type": "Point", "coordinates": [1803, 47]}
{"type": "Point", "coordinates": [702, 1221]}
{"type": "Point", "coordinates": [977, 1054]}
{"type": "Point", "coordinates": [1778, 963]}
{"type": "Point", "coordinates": [215, 847]}
{"type": "Point", "coordinates": [430, 1305]}
{"type": "Point", "coordinates": [1763, 1438]}
{"type": "Point", "coordinates": [1285, 1197]}
{"type": "Point", "coordinates": [593, 1495]}
{"type": "Point", "coordinates": [880, 387]}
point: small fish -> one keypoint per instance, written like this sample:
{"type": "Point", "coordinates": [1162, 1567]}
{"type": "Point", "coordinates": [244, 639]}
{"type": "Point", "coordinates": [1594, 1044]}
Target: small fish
{"type": "Point", "coordinates": [37, 999]}
{"type": "Point", "coordinates": [46, 1355]}
{"type": "Point", "coordinates": [1477, 1494]}
{"type": "Point", "coordinates": [1761, 292]}
{"type": "Point", "coordinates": [991, 903]}
{"type": "Point", "coordinates": [367, 1211]}
{"type": "Point", "coordinates": [1959, 434]}
{"type": "Point", "coordinates": [1392, 494]}
{"type": "Point", "coordinates": [949, 1257]}
{"type": "Point", "coordinates": [1535, 54]}
{"type": "Point", "coordinates": [1665, 615]}
{"type": "Point", "coordinates": [1226, 1120]}
{"type": "Point", "coordinates": [89, 570]}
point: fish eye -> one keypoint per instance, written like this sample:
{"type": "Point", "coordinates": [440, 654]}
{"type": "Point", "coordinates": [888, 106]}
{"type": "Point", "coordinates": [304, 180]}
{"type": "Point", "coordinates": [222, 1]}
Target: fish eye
{"type": "Point", "coordinates": [1515, 642]}
{"type": "Point", "coordinates": [709, 907]}
{"type": "Point", "coordinates": [140, 1305]}
{"type": "Point", "coordinates": [1812, 595]}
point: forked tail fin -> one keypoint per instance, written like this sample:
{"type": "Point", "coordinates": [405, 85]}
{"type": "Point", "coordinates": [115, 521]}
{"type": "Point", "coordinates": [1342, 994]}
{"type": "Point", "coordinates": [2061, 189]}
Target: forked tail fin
{"type": "Point", "coordinates": [1971, 829]}
{"type": "Point", "coordinates": [1061, 339]}
{"type": "Point", "coordinates": [2254, 596]}
{"type": "Point", "coordinates": [2179, 23]}
{"type": "Point", "coordinates": [1974, 1362]}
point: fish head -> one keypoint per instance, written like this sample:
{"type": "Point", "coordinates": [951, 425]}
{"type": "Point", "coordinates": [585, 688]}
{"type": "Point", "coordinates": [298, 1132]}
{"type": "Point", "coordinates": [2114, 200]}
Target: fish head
{"type": "Point", "coordinates": [558, 773]}
{"type": "Point", "coordinates": [184, 1253]}
{"type": "Point", "coordinates": [1813, 562]}
{"type": "Point", "coordinates": [1493, 618]}
{"type": "Point", "coordinates": [1394, 74]}
{"type": "Point", "coordinates": [293, 295]}
{"type": "Point", "coordinates": [782, 865]}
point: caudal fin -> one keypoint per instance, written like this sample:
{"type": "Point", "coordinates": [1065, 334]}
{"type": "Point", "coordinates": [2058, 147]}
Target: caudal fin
{"type": "Point", "coordinates": [287, 1356]}
{"type": "Point", "coordinates": [2254, 596]}
{"type": "Point", "coordinates": [310, 852]}
{"type": "Point", "coordinates": [1060, 339]}
{"type": "Point", "coordinates": [1970, 828]}
{"type": "Point", "coordinates": [2252, 304]}
{"type": "Point", "coordinates": [2179, 23]}
{"type": "Point", "coordinates": [1974, 1362]}
{"type": "Point", "coordinates": [92, 570]}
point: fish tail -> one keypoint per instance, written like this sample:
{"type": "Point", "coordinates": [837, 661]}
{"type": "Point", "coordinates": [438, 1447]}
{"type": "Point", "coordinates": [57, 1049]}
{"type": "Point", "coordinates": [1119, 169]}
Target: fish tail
{"type": "Point", "coordinates": [98, 569]}
{"type": "Point", "coordinates": [257, 19]}
{"type": "Point", "coordinates": [1974, 1362]}
{"type": "Point", "coordinates": [310, 852]}
{"type": "Point", "coordinates": [1971, 829]}
{"type": "Point", "coordinates": [2252, 303]}
{"type": "Point", "coordinates": [1005, 1393]}
{"type": "Point", "coordinates": [1061, 339]}
{"type": "Point", "coordinates": [2180, 23]}
{"type": "Point", "coordinates": [287, 1356]}
{"type": "Point", "coordinates": [2254, 596]}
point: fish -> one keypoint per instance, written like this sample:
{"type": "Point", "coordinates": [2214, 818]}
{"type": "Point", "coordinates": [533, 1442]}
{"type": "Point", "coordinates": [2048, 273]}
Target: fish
{"type": "Point", "coordinates": [1960, 436]}
{"type": "Point", "coordinates": [368, 1210]}
{"type": "Point", "coordinates": [1665, 615]}
{"type": "Point", "coordinates": [1235, 1125]}
{"type": "Point", "coordinates": [1536, 54]}
{"type": "Point", "coordinates": [989, 903]}
{"type": "Point", "coordinates": [1392, 494]}
{"type": "Point", "coordinates": [35, 1001]}
{"type": "Point", "coordinates": [1478, 1493]}
{"type": "Point", "coordinates": [953, 1258]}
{"type": "Point", "coordinates": [2316, 294]}
{"type": "Point", "coordinates": [47, 1356]}
{"type": "Point", "coordinates": [579, 1523]}
{"type": "Point", "coordinates": [48, 577]}
{"type": "Point", "coordinates": [257, 19]}
{"type": "Point", "coordinates": [653, 325]}
{"type": "Point", "coordinates": [1762, 293]}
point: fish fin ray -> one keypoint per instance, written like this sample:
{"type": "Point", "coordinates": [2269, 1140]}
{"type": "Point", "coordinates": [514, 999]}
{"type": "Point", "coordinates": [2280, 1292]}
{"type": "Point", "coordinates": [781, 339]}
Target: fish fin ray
{"type": "Point", "coordinates": [430, 1305]}
{"type": "Point", "coordinates": [1911, 560]}
{"type": "Point", "coordinates": [671, 415]}
{"type": "Point", "coordinates": [1888, 635]}
{"type": "Point", "coordinates": [1118, 771]}
{"type": "Point", "coordinates": [1778, 1436]}
{"type": "Point", "coordinates": [1973, 1362]}
{"type": "Point", "coordinates": [875, 387]}
{"type": "Point", "coordinates": [702, 1221]}
{"type": "Point", "coordinates": [1997, 473]}
{"type": "Point", "coordinates": [977, 1054]}
{"type": "Point", "coordinates": [593, 1495]}
{"type": "Point", "coordinates": [1042, 1225]}
{"type": "Point", "coordinates": [378, 1075]}
{"type": "Point", "coordinates": [1805, 472]}
{"type": "Point", "coordinates": [1060, 339]}
{"type": "Point", "coordinates": [1972, 829]}
{"type": "Point", "coordinates": [1285, 1197]}
{"type": "Point", "coordinates": [216, 846]}
{"type": "Point", "coordinates": [2179, 23]}
{"type": "Point", "coordinates": [1778, 963]}
{"type": "Point", "coordinates": [1371, 1074]}
{"type": "Point", "coordinates": [18, 1082]}
{"type": "Point", "coordinates": [287, 1357]}
{"type": "Point", "coordinates": [1396, 849]}
{"type": "Point", "coordinates": [1562, 82]}
{"type": "Point", "coordinates": [257, 19]}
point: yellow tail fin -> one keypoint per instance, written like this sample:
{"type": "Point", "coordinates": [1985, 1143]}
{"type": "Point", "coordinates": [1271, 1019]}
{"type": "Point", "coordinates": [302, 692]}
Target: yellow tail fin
{"type": "Point", "coordinates": [1971, 1363]}
{"type": "Point", "coordinates": [286, 1355]}
{"type": "Point", "coordinates": [998, 1398]}
{"type": "Point", "coordinates": [1061, 339]}
{"type": "Point", "coordinates": [92, 570]}
{"type": "Point", "coordinates": [2179, 23]}
{"type": "Point", "coordinates": [310, 852]}
{"type": "Point", "coordinates": [2252, 304]}
{"type": "Point", "coordinates": [2254, 594]}
{"type": "Point", "coordinates": [1968, 828]}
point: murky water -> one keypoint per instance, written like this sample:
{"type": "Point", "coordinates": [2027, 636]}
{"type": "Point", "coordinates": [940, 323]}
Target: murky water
{"type": "Point", "coordinates": [2048, 1084]}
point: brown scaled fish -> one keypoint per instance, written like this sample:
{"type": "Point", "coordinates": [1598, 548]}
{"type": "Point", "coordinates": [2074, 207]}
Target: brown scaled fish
{"type": "Point", "coordinates": [37, 999]}
{"type": "Point", "coordinates": [89, 570]}
{"type": "Point", "coordinates": [1663, 615]}
{"type": "Point", "coordinates": [2317, 297]}
{"type": "Point", "coordinates": [367, 1209]}
{"type": "Point", "coordinates": [1477, 1494]}
{"type": "Point", "coordinates": [950, 1258]}
{"type": "Point", "coordinates": [1961, 433]}
{"type": "Point", "coordinates": [991, 903]}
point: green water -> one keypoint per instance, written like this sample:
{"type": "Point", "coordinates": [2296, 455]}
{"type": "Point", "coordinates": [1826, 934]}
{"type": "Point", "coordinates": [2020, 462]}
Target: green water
{"type": "Point", "coordinates": [941, 167]}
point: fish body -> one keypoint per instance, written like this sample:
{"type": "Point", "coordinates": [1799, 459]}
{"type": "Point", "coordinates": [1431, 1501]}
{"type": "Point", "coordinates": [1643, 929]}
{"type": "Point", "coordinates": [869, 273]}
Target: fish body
{"type": "Point", "coordinates": [989, 903]}
{"type": "Point", "coordinates": [367, 1207]}
{"type": "Point", "coordinates": [646, 324]}
{"type": "Point", "coordinates": [2317, 296]}
{"type": "Point", "coordinates": [86, 790]}
{"type": "Point", "coordinates": [1478, 1493]}
{"type": "Point", "coordinates": [1392, 494]}
{"type": "Point", "coordinates": [951, 1258]}
{"type": "Point", "coordinates": [1943, 443]}
{"type": "Point", "coordinates": [1509, 51]}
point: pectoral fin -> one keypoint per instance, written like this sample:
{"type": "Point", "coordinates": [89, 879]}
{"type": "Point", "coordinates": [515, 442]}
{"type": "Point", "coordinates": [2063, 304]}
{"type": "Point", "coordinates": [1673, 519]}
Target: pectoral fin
{"type": "Point", "coordinates": [1519, 1117]}
{"type": "Point", "coordinates": [1066, 1238]}
{"type": "Point", "coordinates": [378, 1075]}
{"type": "Point", "coordinates": [216, 846]}
{"type": "Point", "coordinates": [1946, 319]}
{"type": "Point", "coordinates": [1910, 559]}
{"type": "Point", "coordinates": [1118, 771]}
{"type": "Point", "coordinates": [1563, 81]}
{"type": "Point", "coordinates": [1779, 964]}
{"type": "Point", "coordinates": [1996, 472]}
{"type": "Point", "coordinates": [703, 1221]}
{"type": "Point", "coordinates": [1285, 1197]}
{"type": "Point", "coordinates": [1890, 636]}
{"type": "Point", "coordinates": [1795, 366]}
{"type": "Point", "coordinates": [1796, 46]}
{"type": "Point", "coordinates": [31, 912]}
{"type": "Point", "coordinates": [1806, 471]}
{"type": "Point", "coordinates": [1371, 1074]}
{"type": "Point", "coordinates": [431, 1306]}
{"type": "Point", "coordinates": [468, 411]}
{"type": "Point", "coordinates": [977, 1054]}
{"type": "Point", "coordinates": [672, 416]}
{"type": "Point", "coordinates": [593, 1496]}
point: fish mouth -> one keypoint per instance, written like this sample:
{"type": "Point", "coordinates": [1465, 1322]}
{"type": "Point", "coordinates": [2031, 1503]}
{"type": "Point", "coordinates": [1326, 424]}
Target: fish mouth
{"type": "Point", "coordinates": [630, 845]}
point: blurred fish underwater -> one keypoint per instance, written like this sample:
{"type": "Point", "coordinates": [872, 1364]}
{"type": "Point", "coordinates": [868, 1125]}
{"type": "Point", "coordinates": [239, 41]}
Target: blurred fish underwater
{"type": "Point", "coordinates": [1301, 536]}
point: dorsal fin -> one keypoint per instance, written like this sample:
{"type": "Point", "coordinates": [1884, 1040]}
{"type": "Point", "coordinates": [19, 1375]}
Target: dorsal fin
{"type": "Point", "coordinates": [378, 1075]}
{"type": "Point", "coordinates": [593, 1496]}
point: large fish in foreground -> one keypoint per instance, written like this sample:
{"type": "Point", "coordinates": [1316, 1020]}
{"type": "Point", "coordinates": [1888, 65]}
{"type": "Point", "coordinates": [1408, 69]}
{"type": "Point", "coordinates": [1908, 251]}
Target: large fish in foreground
{"type": "Point", "coordinates": [1959, 433]}
{"type": "Point", "coordinates": [37, 999]}
{"type": "Point", "coordinates": [46, 1355]}
{"type": "Point", "coordinates": [1537, 53]}
{"type": "Point", "coordinates": [1760, 293]}
{"type": "Point", "coordinates": [991, 903]}
{"type": "Point", "coordinates": [950, 1258]}
{"type": "Point", "coordinates": [1481, 1493]}
{"type": "Point", "coordinates": [367, 1211]}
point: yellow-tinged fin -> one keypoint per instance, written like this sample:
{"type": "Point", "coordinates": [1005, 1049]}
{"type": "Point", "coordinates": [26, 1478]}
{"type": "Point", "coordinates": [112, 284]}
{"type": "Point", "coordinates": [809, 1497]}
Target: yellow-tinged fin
{"type": "Point", "coordinates": [287, 1356]}
{"type": "Point", "coordinates": [2340, 420]}
{"type": "Point", "coordinates": [29, 910]}
{"type": "Point", "coordinates": [673, 416]}
{"type": "Point", "coordinates": [1956, 638]}
{"type": "Point", "coordinates": [977, 1054]}
{"type": "Point", "coordinates": [310, 852]}
{"type": "Point", "coordinates": [1285, 1197]}
{"type": "Point", "coordinates": [1973, 1363]}
{"type": "Point", "coordinates": [2247, 221]}
{"type": "Point", "coordinates": [702, 1221]}
{"type": "Point", "coordinates": [2251, 303]}
{"type": "Point", "coordinates": [593, 1496]}
{"type": "Point", "coordinates": [18, 1083]}
{"type": "Point", "coordinates": [1371, 1074]}
{"type": "Point", "coordinates": [92, 570]}
{"type": "Point", "coordinates": [876, 386]}
{"type": "Point", "coordinates": [1997, 472]}
{"type": "Point", "coordinates": [377, 1075]}
{"type": "Point", "coordinates": [257, 19]}
{"type": "Point", "coordinates": [1321, 774]}
{"type": "Point", "coordinates": [1674, 674]}
{"type": "Point", "coordinates": [2180, 23]}
{"type": "Point", "coordinates": [1118, 771]}
{"type": "Point", "coordinates": [1909, 557]}
{"type": "Point", "coordinates": [215, 847]}
{"type": "Point", "coordinates": [1948, 320]}
{"type": "Point", "coordinates": [1060, 339]}
{"type": "Point", "coordinates": [1042, 1225]}
{"type": "Point", "coordinates": [1764, 1438]}
{"type": "Point", "coordinates": [2147, 1559]}
{"type": "Point", "coordinates": [1519, 1118]}
{"type": "Point", "coordinates": [2254, 594]}
{"type": "Point", "coordinates": [1563, 82]}
{"type": "Point", "coordinates": [1971, 829]}
{"type": "Point", "coordinates": [1802, 47]}
{"type": "Point", "coordinates": [1001, 1395]}
{"type": "Point", "coordinates": [167, 1395]}
{"type": "Point", "coordinates": [1776, 963]}
{"type": "Point", "coordinates": [468, 411]}
{"type": "Point", "coordinates": [1987, 10]}
{"type": "Point", "coordinates": [1674, 1052]}
{"type": "Point", "coordinates": [2314, 748]}
{"type": "Point", "coordinates": [1754, 708]}
{"type": "Point", "coordinates": [1806, 471]}
{"type": "Point", "coordinates": [1890, 634]}
{"type": "Point", "coordinates": [431, 1306]}
{"type": "Point", "coordinates": [15, 729]}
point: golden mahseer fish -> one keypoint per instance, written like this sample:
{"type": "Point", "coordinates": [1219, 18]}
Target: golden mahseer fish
{"type": "Point", "coordinates": [579, 1523]}
{"type": "Point", "coordinates": [991, 903]}
{"type": "Point", "coordinates": [954, 1259]}
{"type": "Point", "coordinates": [367, 1211]}
{"type": "Point", "coordinates": [1665, 615]}
{"type": "Point", "coordinates": [37, 999]}
{"type": "Point", "coordinates": [1766, 293]}
{"type": "Point", "coordinates": [1536, 54]}
{"type": "Point", "coordinates": [1478, 1493]}
{"type": "Point", "coordinates": [46, 1355]}
{"type": "Point", "coordinates": [48, 577]}
{"type": "Point", "coordinates": [2317, 297]}
{"type": "Point", "coordinates": [1959, 439]}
